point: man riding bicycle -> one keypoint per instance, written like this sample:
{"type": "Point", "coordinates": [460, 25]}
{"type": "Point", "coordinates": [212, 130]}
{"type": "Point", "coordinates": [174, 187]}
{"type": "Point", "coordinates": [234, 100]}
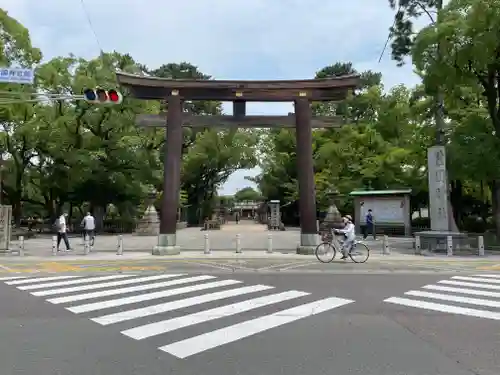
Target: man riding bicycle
{"type": "Point", "coordinates": [349, 232]}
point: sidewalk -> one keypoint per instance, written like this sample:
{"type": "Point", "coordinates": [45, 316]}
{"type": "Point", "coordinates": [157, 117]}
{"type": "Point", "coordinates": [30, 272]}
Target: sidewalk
{"type": "Point", "coordinates": [197, 255]}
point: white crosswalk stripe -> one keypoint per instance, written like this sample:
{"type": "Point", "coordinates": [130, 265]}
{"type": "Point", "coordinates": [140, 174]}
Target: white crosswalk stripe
{"type": "Point", "coordinates": [137, 299]}
{"type": "Point", "coordinates": [437, 297]}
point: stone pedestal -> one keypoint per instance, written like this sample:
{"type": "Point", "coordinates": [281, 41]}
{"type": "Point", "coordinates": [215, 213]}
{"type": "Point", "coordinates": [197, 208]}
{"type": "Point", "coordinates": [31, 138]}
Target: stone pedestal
{"type": "Point", "coordinates": [436, 241]}
{"type": "Point", "coordinates": [166, 245]}
{"type": "Point", "coordinates": [5, 228]}
{"type": "Point", "coordinates": [149, 225]}
{"type": "Point", "coordinates": [308, 244]}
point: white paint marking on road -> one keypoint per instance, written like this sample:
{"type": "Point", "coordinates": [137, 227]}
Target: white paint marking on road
{"type": "Point", "coordinates": [471, 285]}
{"type": "Point", "coordinates": [147, 297]}
{"type": "Point", "coordinates": [102, 285]}
{"type": "Point", "coordinates": [463, 291]}
{"type": "Point", "coordinates": [213, 339]}
{"type": "Point", "coordinates": [216, 265]}
{"type": "Point", "coordinates": [495, 276]}
{"type": "Point", "coordinates": [476, 279]}
{"type": "Point", "coordinates": [158, 328]}
{"type": "Point", "coordinates": [447, 297]}
{"type": "Point", "coordinates": [73, 282]}
{"type": "Point", "coordinates": [12, 278]}
{"type": "Point", "coordinates": [278, 265]}
{"type": "Point", "coordinates": [286, 266]}
{"type": "Point", "coordinates": [298, 265]}
{"type": "Point", "coordinates": [179, 304]}
{"type": "Point", "coordinates": [5, 268]}
{"type": "Point", "coordinates": [444, 308]}
{"type": "Point", "coordinates": [40, 279]}
{"type": "Point", "coordinates": [130, 289]}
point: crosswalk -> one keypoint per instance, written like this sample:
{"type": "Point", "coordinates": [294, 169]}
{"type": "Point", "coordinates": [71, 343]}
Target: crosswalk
{"type": "Point", "coordinates": [114, 299]}
{"type": "Point", "coordinates": [461, 295]}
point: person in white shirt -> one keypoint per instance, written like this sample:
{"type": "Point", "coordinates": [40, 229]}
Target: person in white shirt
{"type": "Point", "coordinates": [349, 232]}
{"type": "Point", "coordinates": [88, 224]}
{"type": "Point", "coordinates": [62, 231]}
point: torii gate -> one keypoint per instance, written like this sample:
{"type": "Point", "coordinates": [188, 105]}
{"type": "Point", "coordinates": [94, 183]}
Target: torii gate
{"type": "Point", "coordinates": [175, 91]}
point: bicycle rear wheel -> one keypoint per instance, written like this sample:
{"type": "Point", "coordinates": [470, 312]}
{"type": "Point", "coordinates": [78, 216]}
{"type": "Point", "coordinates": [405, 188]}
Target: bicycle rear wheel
{"type": "Point", "coordinates": [359, 253]}
{"type": "Point", "coordinates": [325, 252]}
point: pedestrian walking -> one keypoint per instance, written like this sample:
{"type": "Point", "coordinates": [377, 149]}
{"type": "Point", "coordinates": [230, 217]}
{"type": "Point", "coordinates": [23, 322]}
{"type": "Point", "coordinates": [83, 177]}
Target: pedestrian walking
{"type": "Point", "coordinates": [370, 225]}
{"type": "Point", "coordinates": [62, 231]}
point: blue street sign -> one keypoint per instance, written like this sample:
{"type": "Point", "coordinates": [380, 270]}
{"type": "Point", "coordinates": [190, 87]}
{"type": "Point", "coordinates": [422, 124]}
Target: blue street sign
{"type": "Point", "coordinates": [16, 75]}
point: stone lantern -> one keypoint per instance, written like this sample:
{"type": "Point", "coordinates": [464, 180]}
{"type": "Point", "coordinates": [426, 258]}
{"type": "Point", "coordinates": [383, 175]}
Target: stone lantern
{"type": "Point", "coordinates": [149, 224]}
{"type": "Point", "coordinates": [333, 218]}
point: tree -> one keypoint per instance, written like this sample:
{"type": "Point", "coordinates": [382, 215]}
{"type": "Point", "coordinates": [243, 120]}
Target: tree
{"type": "Point", "coordinates": [16, 120]}
{"type": "Point", "coordinates": [468, 70]}
{"type": "Point", "coordinates": [381, 145]}
{"type": "Point", "coordinates": [247, 194]}
{"type": "Point", "coordinates": [402, 32]}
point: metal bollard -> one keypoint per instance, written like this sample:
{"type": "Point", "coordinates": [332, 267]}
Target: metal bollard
{"type": "Point", "coordinates": [269, 243]}
{"type": "Point", "coordinates": [449, 246]}
{"type": "Point", "coordinates": [317, 225]}
{"type": "Point", "coordinates": [480, 246]}
{"type": "Point", "coordinates": [21, 246]}
{"type": "Point", "coordinates": [54, 245]}
{"type": "Point", "coordinates": [238, 243]}
{"type": "Point", "coordinates": [418, 249]}
{"type": "Point", "coordinates": [385, 246]}
{"type": "Point", "coordinates": [206, 244]}
{"type": "Point", "coordinates": [119, 250]}
{"type": "Point", "coordinates": [86, 245]}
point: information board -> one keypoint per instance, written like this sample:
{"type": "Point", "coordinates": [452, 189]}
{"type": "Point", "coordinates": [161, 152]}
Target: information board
{"type": "Point", "coordinates": [386, 210]}
{"type": "Point", "coordinates": [16, 75]}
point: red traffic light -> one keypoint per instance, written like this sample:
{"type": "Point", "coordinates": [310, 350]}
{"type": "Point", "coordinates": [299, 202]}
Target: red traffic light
{"type": "Point", "coordinates": [102, 96]}
{"type": "Point", "coordinates": [114, 96]}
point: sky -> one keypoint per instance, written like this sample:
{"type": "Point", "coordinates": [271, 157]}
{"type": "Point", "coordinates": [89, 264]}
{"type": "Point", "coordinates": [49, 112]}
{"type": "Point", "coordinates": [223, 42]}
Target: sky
{"type": "Point", "coordinates": [227, 39]}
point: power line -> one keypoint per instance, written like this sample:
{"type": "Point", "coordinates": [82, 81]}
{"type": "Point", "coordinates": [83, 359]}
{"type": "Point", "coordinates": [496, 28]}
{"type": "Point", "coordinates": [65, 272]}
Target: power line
{"type": "Point", "coordinates": [388, 37]}
{"type": "Point", "coordinates": [91, 26]}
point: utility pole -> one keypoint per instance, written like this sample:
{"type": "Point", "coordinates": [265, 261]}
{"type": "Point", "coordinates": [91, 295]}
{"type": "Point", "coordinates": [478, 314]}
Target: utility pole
{"type": "Point", "coordinates": [439, 112]}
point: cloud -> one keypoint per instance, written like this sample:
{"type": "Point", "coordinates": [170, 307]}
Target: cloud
{"type": "Point", "coordinates": [228, 39]}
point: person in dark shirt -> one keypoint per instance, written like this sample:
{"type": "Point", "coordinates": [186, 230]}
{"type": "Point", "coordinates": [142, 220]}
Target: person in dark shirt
{"type": "Point", "coordinates": [370, 225]}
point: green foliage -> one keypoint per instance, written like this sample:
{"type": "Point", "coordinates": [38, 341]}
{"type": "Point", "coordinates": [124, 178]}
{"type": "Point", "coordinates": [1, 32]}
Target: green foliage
{"type": "Point", "coordinates": [402, 32]}
{"type": "Point", "coordinates": [247, 194]}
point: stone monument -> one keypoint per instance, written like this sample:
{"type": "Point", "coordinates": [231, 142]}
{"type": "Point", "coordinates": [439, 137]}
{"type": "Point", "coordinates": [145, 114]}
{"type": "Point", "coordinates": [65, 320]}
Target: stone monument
{"type": "Point", "coordinates": [440, 212]}
{"type": "Point", "coordinates": [149, 224]}
{"type": "Point", "coordinates": [5, 228]}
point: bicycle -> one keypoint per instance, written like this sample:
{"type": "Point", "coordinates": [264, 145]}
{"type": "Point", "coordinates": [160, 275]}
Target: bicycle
{"type": "Point", "coordinates": [330, 245]}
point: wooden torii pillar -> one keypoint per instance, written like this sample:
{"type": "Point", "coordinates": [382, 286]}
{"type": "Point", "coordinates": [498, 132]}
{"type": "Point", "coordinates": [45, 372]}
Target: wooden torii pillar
{"type": "Point", "coordinates": [302, 93]}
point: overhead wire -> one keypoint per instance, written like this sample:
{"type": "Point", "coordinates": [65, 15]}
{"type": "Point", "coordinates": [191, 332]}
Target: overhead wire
{"type": "Point", "coordinates": [89, 21]}
{"type": "Point", "coordinates": [388, 38]}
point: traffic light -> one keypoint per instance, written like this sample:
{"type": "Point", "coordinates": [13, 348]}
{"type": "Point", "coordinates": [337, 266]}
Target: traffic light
{"type": "Point", "coordinates": [101, 96]}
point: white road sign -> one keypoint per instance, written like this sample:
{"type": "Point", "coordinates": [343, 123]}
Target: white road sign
{"type": "Point", "coordinates": [16, 75]}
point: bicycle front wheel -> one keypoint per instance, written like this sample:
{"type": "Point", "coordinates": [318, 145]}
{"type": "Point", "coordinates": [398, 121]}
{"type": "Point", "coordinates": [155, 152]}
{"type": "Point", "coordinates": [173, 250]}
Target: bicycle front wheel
{"type": "Point", "coordinates": [325, 252]}
{"type": "Point", "coordinates": [359, 253]}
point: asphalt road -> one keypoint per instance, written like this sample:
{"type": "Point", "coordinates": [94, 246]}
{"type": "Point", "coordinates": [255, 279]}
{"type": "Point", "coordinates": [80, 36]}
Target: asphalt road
{"type": "Point", "coordinates": [296, 324]}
